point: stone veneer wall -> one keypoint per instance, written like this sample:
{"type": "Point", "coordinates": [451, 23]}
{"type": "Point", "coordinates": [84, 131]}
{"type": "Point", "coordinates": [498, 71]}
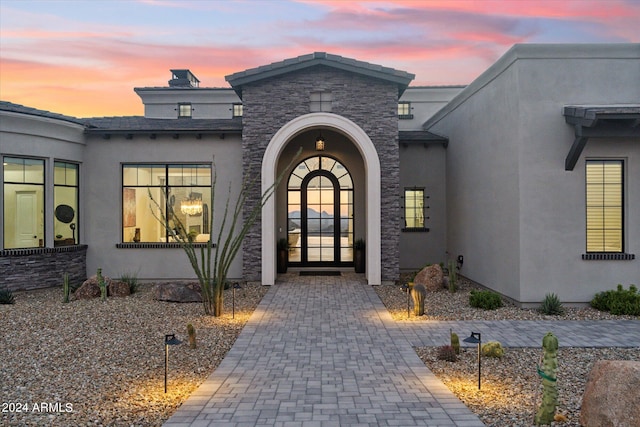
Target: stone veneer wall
{"type": "Point", "coordinates": [370, 103]}
{"type": "Point", "coordinates": [27, 269]}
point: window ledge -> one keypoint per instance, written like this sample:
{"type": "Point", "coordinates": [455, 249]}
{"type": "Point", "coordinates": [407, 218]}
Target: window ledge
{"type": "Point", "coordinates": [405, 116]}
{"type": "Point", "coordinates": [415, 230]}
{"type": "Point", "coordinates": [159, 245]}
{"type": "Point", "coordinates": [608, 256]}
{"type": "Point", "coordinates": [35, 251]}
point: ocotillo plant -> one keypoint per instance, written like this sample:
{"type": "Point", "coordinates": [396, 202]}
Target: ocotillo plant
{"type": "Point", "coordinates": [102, 284]}
{"type": "Point", "coordinates": [191, 331]}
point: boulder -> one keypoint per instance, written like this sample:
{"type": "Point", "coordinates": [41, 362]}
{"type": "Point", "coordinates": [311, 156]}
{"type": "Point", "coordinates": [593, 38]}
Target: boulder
{"type": "Point", "coordinates": [90, 288]}
{"type": "Point", "coordinates": [430, 277]}
{"type": "Point", "coordinates": [610, 396]}
{"type": "Point", "coordinates": [118, 289]}
{"type": "Point", "coordinates": [176, 292]}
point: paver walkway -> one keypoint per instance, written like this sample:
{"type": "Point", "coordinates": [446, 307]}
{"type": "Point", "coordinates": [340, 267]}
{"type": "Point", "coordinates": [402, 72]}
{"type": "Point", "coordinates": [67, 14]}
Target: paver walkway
{"type": "Point", "coordinates": [323, 351]}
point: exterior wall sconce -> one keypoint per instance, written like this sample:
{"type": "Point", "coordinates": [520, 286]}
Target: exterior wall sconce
{"type": "Point", "coordinates": [233, 305]}
{"type": "Point", "coordinates": [320, 143]}
{"type": "Point", "coordinates": [476, 338]}
{"type": "Point", "coordinates": [169, 339]}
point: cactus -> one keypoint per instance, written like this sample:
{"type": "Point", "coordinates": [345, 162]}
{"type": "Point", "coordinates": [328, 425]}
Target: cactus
{"type": "Point", "coordinates": [65, 288]}
{"type": "Point", "coordinates": [492, 349]}
{"type": "Point", "coordinates": [102, 284]}
{"type": "Point", "coordinates": [191, 331]}
{"type": "Point", "coordinates": [418, 293]}
{"type": "Point", "coordinates": [453, 277]}
{"type": "Point", "coordinates": [455, 341]}
{"type": "Point", "coordinates": [446, 352]}
{"type": "Point", "coordinates": [547, 409]}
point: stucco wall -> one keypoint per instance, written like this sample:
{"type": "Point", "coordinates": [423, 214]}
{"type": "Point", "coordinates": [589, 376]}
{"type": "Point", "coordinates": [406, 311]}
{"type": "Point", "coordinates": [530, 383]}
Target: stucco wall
{"type": "Point", "coordinates": [103, 200]}
{"type": "Point", "coordinates": [368, 102]}
{"type": "Point", "coordinates": [513, 211]}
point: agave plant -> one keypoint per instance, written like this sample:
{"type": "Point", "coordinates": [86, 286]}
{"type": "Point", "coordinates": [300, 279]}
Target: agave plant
{"type": "Point", "coordinates": [551, 305]}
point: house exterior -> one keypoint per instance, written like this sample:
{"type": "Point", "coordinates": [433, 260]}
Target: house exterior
{"type": "Point", "coordinates": [526, 177]}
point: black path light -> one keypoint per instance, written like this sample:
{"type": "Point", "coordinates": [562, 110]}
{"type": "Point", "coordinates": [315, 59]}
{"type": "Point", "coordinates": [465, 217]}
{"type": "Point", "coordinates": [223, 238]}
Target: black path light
{"type": "Point", "coordinates": [476, 338]}
{"type": "Point", "coordinates": [405, 288]}
{"type": "Point", "coordinates": [169, 339]}
{"type": "Point", "coordinates": [236, 285]}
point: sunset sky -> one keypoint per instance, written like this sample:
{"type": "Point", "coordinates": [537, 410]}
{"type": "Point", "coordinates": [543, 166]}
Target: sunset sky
{"type": "Point", "coordinates": [83, 58]}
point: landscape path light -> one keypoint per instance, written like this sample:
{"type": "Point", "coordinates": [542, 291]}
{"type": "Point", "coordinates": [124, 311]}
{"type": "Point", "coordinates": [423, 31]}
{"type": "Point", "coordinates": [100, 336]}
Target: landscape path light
{"type": "Point", "coordinates": [476, 338]}
{"type": "Point", "coordinates": [405, 288]}
{"type": "Point", "coordinates": [236, 285]}
{"type": "Point", "coordinates": [169, 339]}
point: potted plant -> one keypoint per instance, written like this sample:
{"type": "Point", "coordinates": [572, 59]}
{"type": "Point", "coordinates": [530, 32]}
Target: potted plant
{"type": "Point", "coordinates": [359, 255]}
{"type": "Point", "coordinates": [283, 255]}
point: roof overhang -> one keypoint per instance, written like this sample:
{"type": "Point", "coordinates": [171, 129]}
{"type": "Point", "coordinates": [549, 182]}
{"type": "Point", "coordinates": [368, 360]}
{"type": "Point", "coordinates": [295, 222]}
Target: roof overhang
{"type": "Point", "coordinates": [599, 121]}
{"type": "Point", "coordinates": [400, 78]}
{"type": "Point", "coordinates": [423, 137]}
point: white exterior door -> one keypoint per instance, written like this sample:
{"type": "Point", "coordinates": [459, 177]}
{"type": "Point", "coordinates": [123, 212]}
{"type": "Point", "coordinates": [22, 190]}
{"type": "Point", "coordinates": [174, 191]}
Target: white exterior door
{"type": "Point", "coordinates": [26, 219]}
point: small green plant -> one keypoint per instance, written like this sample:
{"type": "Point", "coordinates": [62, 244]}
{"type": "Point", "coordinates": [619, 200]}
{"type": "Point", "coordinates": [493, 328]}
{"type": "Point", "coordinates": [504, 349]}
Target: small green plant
{"type": "Point", "coordinates": [446, 352]}
{"type": "Point", "coordinates": [130, 279]}
{"type": "Point", "coordinates": [453, 277]}
{"type": "Point", "coordinates": [102, 284]}
{"type": "Point", "coordinates": [551, 305]}
{"type": "Point", "coordinates": [6, 296]}
{"type": "Point", "coordinates": [620, 301]}
{"type": "Point", "coordinates": [191, 331]}
{"type": "Point", "coordinates": [65, 288]}
{"type": "Point", "coordinates": [486, 300]}
{"type": "Point", "coordinates": [455, 341]}
{"type": "Point", "coordinates": [492, 349]}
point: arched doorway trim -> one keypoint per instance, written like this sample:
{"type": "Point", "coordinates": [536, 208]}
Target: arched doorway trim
{"type": "Point", "coordinates": [372, 171]}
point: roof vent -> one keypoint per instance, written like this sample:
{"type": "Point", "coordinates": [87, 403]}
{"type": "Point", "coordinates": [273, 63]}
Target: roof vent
{"type": "Point", "coordinates": [183, 78]}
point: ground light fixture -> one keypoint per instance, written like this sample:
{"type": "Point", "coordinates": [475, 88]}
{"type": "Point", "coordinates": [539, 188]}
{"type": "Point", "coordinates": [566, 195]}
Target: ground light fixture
{"type": "Point", "coordinates": [169, 339]}
{"type": "Point", "coordinates": [236, 285]}
{"type": "Point", "coordinates": [405, 288]}
{"type": "Point", "coordinates": [476, 338]}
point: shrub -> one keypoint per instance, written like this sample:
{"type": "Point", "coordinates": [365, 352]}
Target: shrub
{"type": "Point", "coordinates": [551, 305]}
{"type": "Point", "coordinates": [6, 297]}
{"type": "Point", "coordinates": [492, 349]}
{"type": "Point", "coordinates": [131, 280]}
{"type": "Point", "coordinates": [619, 301]}
{"type": "Point", "coordinates": [486, 300]}
{"type": "Point", "coordinates": [448, 353]}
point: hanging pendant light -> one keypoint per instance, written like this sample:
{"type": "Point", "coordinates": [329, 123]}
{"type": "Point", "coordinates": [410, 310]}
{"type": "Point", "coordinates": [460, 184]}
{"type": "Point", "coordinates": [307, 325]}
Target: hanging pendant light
{"type": "Point", "coordinates": [191, 205]}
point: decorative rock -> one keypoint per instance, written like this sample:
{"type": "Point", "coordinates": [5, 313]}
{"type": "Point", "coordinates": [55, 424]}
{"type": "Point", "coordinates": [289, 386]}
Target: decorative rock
{"type": "Point", "coordinates": [431, 277]}
{"type": "Point", "coordinates": [610, 396]}
{"type": "Point", "coordinates": [89, 288]}
{"type": "Point", "coordinates": [176, 292]}
{"type": "Point", "coordinates": [118, 289]}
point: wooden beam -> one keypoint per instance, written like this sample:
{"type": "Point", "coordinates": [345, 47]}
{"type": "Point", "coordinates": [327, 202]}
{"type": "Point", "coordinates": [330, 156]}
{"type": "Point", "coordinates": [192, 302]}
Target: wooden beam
{"type": "Point", "coordinates": [574, 152]}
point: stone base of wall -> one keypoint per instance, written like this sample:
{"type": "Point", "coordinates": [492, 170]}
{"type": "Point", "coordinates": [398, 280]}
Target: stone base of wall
{"type": "Point", "coordinates": [27, 269]}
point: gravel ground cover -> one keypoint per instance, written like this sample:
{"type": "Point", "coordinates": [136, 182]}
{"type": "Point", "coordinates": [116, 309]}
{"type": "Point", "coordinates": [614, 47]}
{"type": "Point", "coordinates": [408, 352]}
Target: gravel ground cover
{"type": "Point", "coordinates": [94, 363]}
{"type": "Point", "coordinates": [511, 388]}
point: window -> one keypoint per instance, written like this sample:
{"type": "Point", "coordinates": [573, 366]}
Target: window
{"type": "Point", "coordinates": [414, 208]}
{"type": "Point", "coordinates": [65, 201]}
{"type": "Point", "coordinates": [23, 181]}
{"type": "Point", "coordinates": [237, 110]}
{"type": "Point", "coordinates": [604, 200]}
{"type": "Point", "coordinates": [320, 101]}
{"type": "Point", "coordinates": [181, 195]}
{"type": "Point", "coordinates": [185, 110]}
{"type": "Point", "coordinates": [404, 110]}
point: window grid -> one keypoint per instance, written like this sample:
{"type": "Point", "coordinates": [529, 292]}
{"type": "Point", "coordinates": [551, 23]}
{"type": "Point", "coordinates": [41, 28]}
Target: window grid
{"type": "Point", "coordinates": [604, 205]}
{"type": "Point", "coordinates": [185, 110]}
{"type": "Point", "coordinates": [237, 110]}
{"type": "Point", "coordinates": [414, 217]}
{"type": "Point", "coordinates": [65, 192]}
{"type": "Point", "coordinates": [404, 110]}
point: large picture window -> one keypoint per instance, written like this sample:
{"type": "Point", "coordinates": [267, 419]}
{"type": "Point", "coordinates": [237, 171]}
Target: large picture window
{"type": "Point", "coordinates": [604, 200]}
{"type": "Point", "coordinates": [65, 199]}
{"type": "Point", "coordinates": [23, 214]}
{"type": "Point", "coordinates": [183, 196]}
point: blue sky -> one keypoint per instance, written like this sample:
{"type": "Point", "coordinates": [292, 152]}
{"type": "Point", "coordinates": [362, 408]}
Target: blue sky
{"type": "Point", "coordinates": [84, 58]}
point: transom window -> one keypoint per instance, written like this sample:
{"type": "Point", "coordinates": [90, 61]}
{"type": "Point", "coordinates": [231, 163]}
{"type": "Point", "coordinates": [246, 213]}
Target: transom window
{"type": "Point", "coordinates": [604, 200]}
{"type": "Point", "coordinates": [182, 195]}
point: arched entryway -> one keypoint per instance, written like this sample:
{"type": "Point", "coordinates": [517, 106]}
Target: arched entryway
{"type": "Point", "coordinates": [371, 162]}
{"type": "Point", "coordinates": [320, 213]}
